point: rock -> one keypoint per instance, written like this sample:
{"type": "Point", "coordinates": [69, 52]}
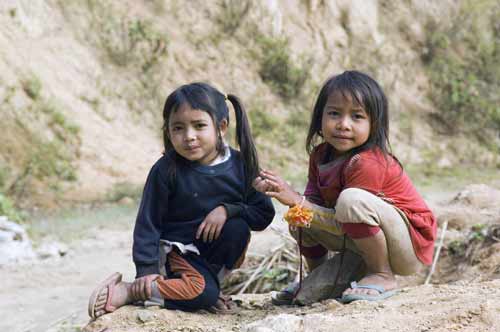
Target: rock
{"type": "Point", "coordinates": [52, 249]}
{"type": "Point", "coordinates": [459, 217]}
{"type": "Point", "coordinates": [145, 316]}
{"type": "Point", "coordinates": [479, 196]}
{"type": "Point", "coordinates": [261, 329]}
{"type": "Point", "coordinates": [280, 323]}
{"type": "Point", "coordinates": [320, 284]}
{"type": "Point", "coordinates": [15, 244]}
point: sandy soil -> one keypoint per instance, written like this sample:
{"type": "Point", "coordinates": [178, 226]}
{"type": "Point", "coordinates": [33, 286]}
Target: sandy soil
{"type": "Point", "coordinates": [52, 296]}
{"type": "Point", "coordinates": [48, 295]}
{"type": "Point", "coordinates": [459, 307]}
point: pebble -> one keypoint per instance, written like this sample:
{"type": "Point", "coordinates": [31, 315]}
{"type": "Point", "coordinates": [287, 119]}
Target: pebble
{"type": "Point", "coordinates": [145, 316]}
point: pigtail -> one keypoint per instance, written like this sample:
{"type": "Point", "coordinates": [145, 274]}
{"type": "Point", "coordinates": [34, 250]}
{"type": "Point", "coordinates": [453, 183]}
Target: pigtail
{"type": "Point", "coordinates": [171, 104]}
{"type": "Point", "coordinates": [245, 141]}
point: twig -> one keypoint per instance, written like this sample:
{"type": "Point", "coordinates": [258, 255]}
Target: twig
{"type": "Point", "coordinates": [436, 256]}
{"type": "Point", "coordinates": [268, 267]}
{"type": "Point", "coordinates": [252, 277]}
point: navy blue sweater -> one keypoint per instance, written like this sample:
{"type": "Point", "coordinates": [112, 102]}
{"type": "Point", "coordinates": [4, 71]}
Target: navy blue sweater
{"type": "Point", "coordinates": [172, 209]}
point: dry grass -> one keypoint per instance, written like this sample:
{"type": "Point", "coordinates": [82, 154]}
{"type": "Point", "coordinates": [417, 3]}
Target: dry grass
{"type": "Point", "coordinates": [261, 274]}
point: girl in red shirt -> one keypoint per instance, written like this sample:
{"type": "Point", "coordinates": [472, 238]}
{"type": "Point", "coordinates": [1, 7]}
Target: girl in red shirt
{"type": "Point", "coordinates": [357, 190]}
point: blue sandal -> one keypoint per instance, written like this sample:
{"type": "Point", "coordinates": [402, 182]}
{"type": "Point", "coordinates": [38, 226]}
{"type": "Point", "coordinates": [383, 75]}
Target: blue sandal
{"type": "Point", "coordinates": [383, 294]}
{"type": "Point", "coordinates": [285, 296]}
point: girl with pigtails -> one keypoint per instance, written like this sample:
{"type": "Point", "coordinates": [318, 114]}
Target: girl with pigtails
{"type": "Point", "coordinates": [197, 210]}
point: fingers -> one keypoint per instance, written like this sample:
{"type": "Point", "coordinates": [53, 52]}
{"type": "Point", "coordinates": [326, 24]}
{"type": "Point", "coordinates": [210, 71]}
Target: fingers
{"type": "Point", "coordinates": [274, 185]}
{"type": "Point", "coordinates": [218, 230]}
{"type": "Point", "coordinates": [200, 230]}
{"type": "Point", "coordinates": [133, 290]}
{"type": "Point", "coordinates": [142, 288]}
{"type": "Point", "coordinates": [267, 173]}
{"type": "Point", "coordinates": [211, 232]}
{"type": "Point", "coordinates": [258, 180]}
{"type": "Point", "coordinates": [260, 184]}
{"type": "Point", "coordinates": [208, 234]}
{"type": "Point", "coordinates": [273, 194]}
{"type": "Point", "coordinates": [272, 177]}
{"type": "Point", "coordinates": [137, 289]}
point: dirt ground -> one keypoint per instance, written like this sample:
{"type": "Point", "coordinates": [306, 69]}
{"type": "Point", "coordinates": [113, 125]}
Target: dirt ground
{"type": "Point", "coordinates": [52, 295]}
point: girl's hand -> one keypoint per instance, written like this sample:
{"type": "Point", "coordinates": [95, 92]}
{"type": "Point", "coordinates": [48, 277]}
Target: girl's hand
{"type": "Point", "coordinates": [141, 287]}
{"type": "Point", "coordinates": [211, 227]}
{"type": "Point", "coordinates": [280, 189]}
{"type": "Point", "coordinates": [260, 184]}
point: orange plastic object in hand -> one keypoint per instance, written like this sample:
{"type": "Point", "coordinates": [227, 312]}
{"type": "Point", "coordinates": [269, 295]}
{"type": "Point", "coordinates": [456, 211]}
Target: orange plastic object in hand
{"type": "Point", "coordinates": [299, 216]}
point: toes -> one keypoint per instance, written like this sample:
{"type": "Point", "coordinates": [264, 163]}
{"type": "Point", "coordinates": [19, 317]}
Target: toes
{"type": "Point", "coordinates": [100, 313]}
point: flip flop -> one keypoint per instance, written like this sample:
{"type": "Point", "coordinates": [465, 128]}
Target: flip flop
{"type": "Point", "coordinates": [286, 295]}
{"type": "Point", "coordinates": [382, 293]}
{"type": "Point", "coordinates": [103, 293]}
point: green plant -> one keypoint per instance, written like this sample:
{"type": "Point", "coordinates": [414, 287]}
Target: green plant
{"type": "Point", "coordinates": [123, 189]}
{"type": "Point", "coordinates": [7, 209]}
{"type": "Point", "coordinates": [51, 160]}
{"type": "Point", "coordinates": [457, 248]}
{"type": "Point", "coordinates": [463, 61]}
{"type": "Point", "coordinates": [478, 232]}
{"type": "Point", "coordinates": [262, 122]}
{"type": "Point", "coordinates": [63, 128]}
{"type": "Point", "coordinates": [231, 14]}
{"type": "Point", "coordinates": [3, 176]}
{"type": "Point", "coordinates": [32, 87]}
{"type": "Point", "coordinates": [278, 69]}
{"type": "Point", "coordinates": [150, 43]}
{"type": "Point", "coordinates": [298, 119]}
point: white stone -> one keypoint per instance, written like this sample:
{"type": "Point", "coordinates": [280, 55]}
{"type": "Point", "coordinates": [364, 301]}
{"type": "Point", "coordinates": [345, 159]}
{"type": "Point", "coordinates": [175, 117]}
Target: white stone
{"type": "Point", "coordinates": [52, 249]}
{"type": "Point", "coordinates": [280, 323]}
{"type": "Point", "coordinates": [15, 245]}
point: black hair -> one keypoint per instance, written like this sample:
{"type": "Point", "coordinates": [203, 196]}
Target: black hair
{"type": "Point", "coordinates": [204, 97]}
{"type": "Point", "coordinates": [366, 92]}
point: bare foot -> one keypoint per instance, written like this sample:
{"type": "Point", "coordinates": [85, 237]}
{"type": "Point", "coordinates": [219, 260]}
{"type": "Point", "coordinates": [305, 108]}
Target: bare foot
{"type": "Point", "coordinates": [383, 279]}
{"type": "Point", "coordinates": [120, 296]}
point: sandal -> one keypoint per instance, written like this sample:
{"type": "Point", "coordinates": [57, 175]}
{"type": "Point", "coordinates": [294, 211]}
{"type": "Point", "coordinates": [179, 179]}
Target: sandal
{"type": "Point", "coordinates": [224, 306]}
{"type": "Point", "coordinates": [102, 294]}
{"type": "Point", "coordinates": [382, 293]}
{"type": "Point", "coordinates": [286, 295]}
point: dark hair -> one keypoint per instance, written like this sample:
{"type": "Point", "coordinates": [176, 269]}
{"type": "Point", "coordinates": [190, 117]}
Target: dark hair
{"type": "Point", "coordinates": [202, 96]}
{"type": "Point", "coordinates": [367, 93]}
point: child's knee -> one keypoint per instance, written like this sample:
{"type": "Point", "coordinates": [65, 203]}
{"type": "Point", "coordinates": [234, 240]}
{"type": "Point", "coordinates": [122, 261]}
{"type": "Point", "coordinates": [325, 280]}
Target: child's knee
{"type": "Point", "coordinates": [352, 206]}
{"type": "Point", "coordinates": [236, 229]}
{"type": "Point", "coordinates": [204, 300]}
{"type": "Point", "coordinates": [208, 298]}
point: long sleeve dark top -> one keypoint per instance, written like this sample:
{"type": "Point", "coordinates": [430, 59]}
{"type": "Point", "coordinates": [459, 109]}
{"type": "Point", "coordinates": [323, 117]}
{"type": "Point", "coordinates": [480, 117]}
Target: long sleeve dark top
{"type": "Point", "coordinates": [172, 209]}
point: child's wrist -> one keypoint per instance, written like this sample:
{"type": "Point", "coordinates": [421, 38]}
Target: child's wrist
{"type": "Point", "coordinates": [299, 200]}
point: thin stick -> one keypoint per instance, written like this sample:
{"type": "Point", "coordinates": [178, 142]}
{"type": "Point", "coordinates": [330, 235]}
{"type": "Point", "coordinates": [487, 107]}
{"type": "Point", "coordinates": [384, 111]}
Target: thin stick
{"type": "Point", "coordinates": [436, 256]}
{"type": "Point", "coordinates": [268, 267]}
{"type": "Point", "coordinates": [252, 277]}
